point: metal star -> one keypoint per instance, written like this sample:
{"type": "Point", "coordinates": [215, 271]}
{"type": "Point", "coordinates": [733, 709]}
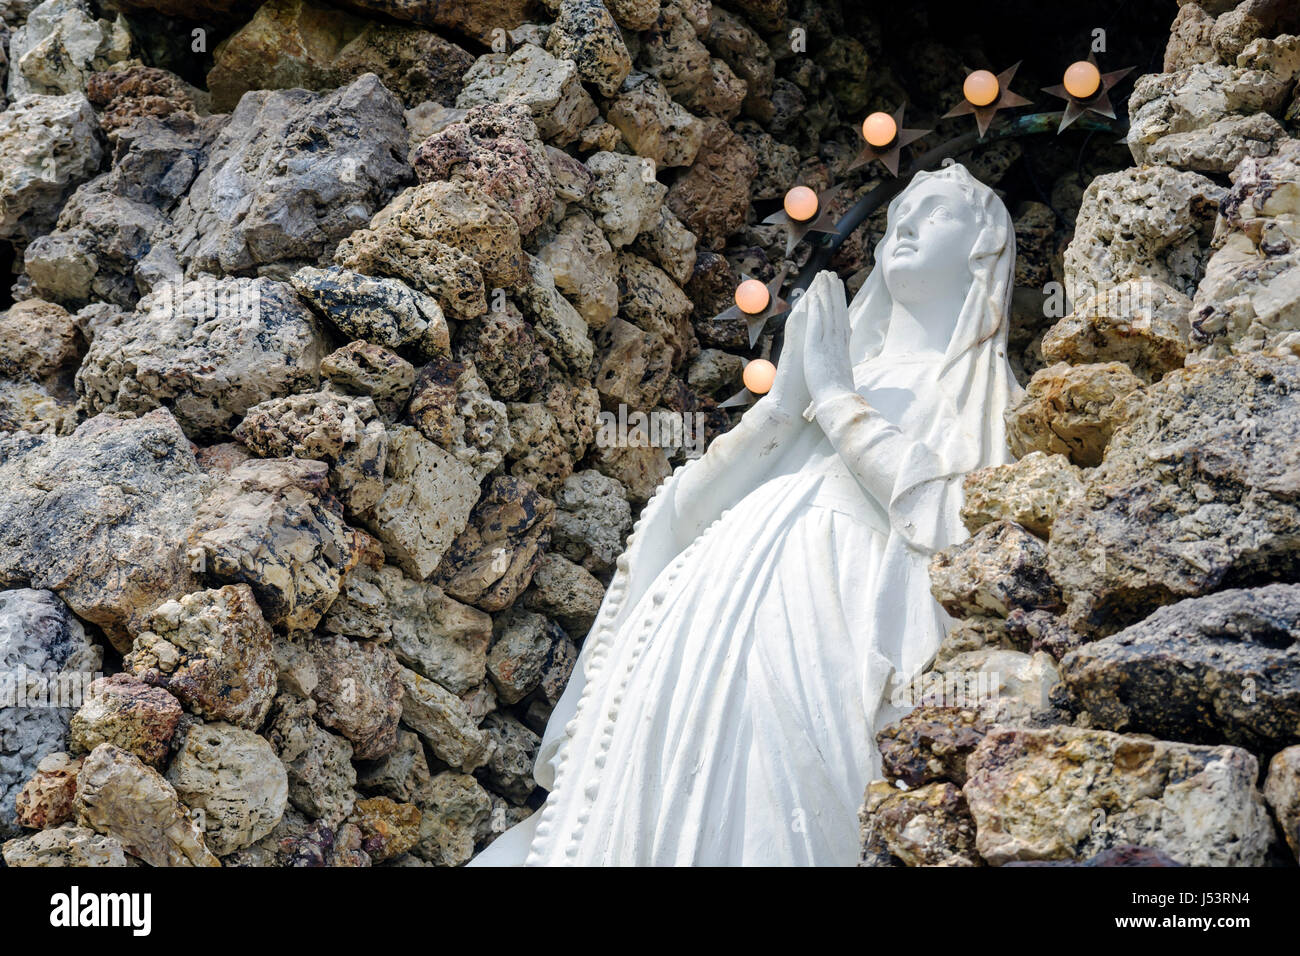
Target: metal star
{"type": "Point", "coordinates": [796, 230]}
{"type": "Point", "coordinates": [888, 155]}
{"type": "Point", "coordinates": [984, 114]}
{"type": "Point", "coordinates": [1100, 102]}
{"type": "Point", "coordinates": [756, 322]}
{"type": "Point", "coordinates": [741, 398]}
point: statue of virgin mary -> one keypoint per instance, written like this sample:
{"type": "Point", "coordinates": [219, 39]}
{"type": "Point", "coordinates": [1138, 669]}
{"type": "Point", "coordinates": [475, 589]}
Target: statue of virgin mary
{"type": "Point", "coordinates": [724, 706]}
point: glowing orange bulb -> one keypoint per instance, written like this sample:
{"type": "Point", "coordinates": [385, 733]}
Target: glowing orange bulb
{"type": "Point", "coordinates": [879, 129]}
{"type": "Point", "coordinates": [752, 297]}
{"type": "Point", "coordinates": [981, 88]}
{"type": "Point", "coordinates": [1082, 80]}
{"type": "Point", "coordinates": [759, 376]}
{"type": "Point", "coordinates": [801, 204]}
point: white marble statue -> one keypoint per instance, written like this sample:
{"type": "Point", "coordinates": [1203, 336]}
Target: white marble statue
{"type": "Point", "coordinates": [725, 702]}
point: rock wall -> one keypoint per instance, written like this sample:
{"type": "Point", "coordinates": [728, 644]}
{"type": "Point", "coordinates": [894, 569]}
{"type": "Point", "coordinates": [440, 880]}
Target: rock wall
{"type": "Point", "coordinates": [315, 311]}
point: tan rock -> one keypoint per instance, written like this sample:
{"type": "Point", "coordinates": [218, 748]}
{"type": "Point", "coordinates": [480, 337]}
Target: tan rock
{"type": "Point", "coordinates": [1029, 492]}
{"type": "Point", "coordinates": [441, 719]}
{"type": "Point", "coordinates": [124, 711]}
{"type": "Point", "coordinates": [550, 88]}
{"type": "Point", "coordinates": [1142, 323]}
{"type": "Point", "coordinates": [1066, 793]}
{"type": "Point", "coordinates": [46, 800]}
{"type": "Point", "coordinates": [119, 796]}
{"type": "Point", "coordinates": [66, 846]}
{"type": "Point", "coordinates": [427, 500]}
{"type": "Point", "coordinates": [1282, 791]}
{"type": "Point", "coordinates": [233, 783]}
{"type": "Point", "coordinates": [1072, 410]}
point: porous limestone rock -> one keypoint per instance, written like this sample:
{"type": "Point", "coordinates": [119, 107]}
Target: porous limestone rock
{"type": "Point", "coordinates": [46, 799]}
{"type": "Point", "coordinates": [1224, 668]}
{"type": "Point", "coordinates": [291, 174]}
{"type": "Point", "coordinates": [344, 432]}
{"type": "Point", "coordinates": [362, 368]}
{"type": "Point", "coordinates": [560, 330]}
{"type": "Point", "coordinates": [388, 828]}
{"type": "Point", "coordinates": [428, 496]}
{"type": "Point", "coordinates": [1072, 410]}
{"type": "Point", "coordinates": [1207, 116]}
{"type": "Point", "coordinates": [233, 783]}
{"type": "Point", "coordinates": [322, 779]}
{"type": "Point", "coordinates": [1195, 494]}
{"type": "Point", "coordinates": [632, 365]}
{"type": "Point", "coordinates": [1250, 297]}
{"type": "Point", "coordinates": [930, 744]}
{"type": "Point", "coordinates": [66, 846]}
{"type": "Point", "coordinates": [654, 124]}
{"type": "Point", "coordinates": [496, 147]}
{"type": "Point", "coordinates": [1067, 793]}
{"type": "Point", "coordinates": [444, 723]}
{"type": "Point", "coordinates": [582, 264]}
{"type": "Point", "coordinates": [927, 826]}
{"type": "Point", "coordinates": [357, 693]}
{"type": "Point", "coordinates": [42, 647]}
{"type": "Point", "coordinates": [509, 770]}
{"type": "Point", "coordinates": [452, 809]}
{"type": "Point", "coordinates": [638, 469]}
{"type": "Point", "coordinates": [59, 45]}
{"type": "Point", "coordinates": [479, 19]}
{"type": "Point", "coordinates": [669, 244]}
{"type": "Point", "coordinates": [1151, 221]}
{"type": "Point", "coordinates": [124, 711]}
{"type": "Point", "coordinates": [649, 299]}
{"type": "Point", "coordinates": [585, 33]}
{"type": "Point", "coordinates": [452, 406]}
{"type": "Point", "coordinates": [383, 311]}
{"type": "Point", "coordinates": [505, 351]}
{"type": "Point", "coordinates": [101, 517]}
{"type": "Point", "coordinates": [565, 592]}
{"type": "Point", "coordinates": [1282, 791]}
{"type": "Point", "coordinates": [1142, 323]}
{"type": "Point", "coordinates": [625, 197]}
{"type": "Point", "coordinates": [1000, 568]}
{"type": "Point", "coordinates": [550, 88]}
{"type": "Point", "coordinates": [592, 519]}
{"type": "Point", "coordinates": [211, 649]}
{"type": "Point", "coordinates": [208, 349]}
{"type": "Point", "coordinates": [291, 43]}
{"type": "Point", "coordinates": [492, 561]}
{"type": "Point", "coordinates": [131, 91]}
{"type": "Point", "coordinates": [522, 645]}
{"type": "Point", "coordinates": [1002, 685]}
{"type": "Point", "coordinates": [272, 524]}
{"type": "Point", "coordinates": [51, 143]}
{"type": "Point", "coordinates": [1029, 492]}
{"type": "Point", "coordinates": [712, 197]}
{"type": "Point", "coordinates": [714, 370]}
{"type": "Point", "coordinates": [434, 635]}
{"type": "Point", "coordinates": [401, 774]}
{"type": "Point", "coordinates": [105, 231]}
{"type": "Point", "coordinates": [119, 796]}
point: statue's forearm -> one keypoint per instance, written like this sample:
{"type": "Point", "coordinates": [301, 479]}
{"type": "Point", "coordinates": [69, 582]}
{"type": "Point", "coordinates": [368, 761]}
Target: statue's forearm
{"type": "Point", "coordinates": [873, 448]}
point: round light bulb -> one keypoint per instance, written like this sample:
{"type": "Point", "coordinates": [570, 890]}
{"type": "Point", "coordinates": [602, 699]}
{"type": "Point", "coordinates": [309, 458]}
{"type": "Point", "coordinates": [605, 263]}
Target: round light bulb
{"type": "Point", "coordinates": [801, 204]}
{"type": "Point", "coordinates": [1082, 80]}
{"type": "Point", "coordinates": [879, 129]}
{"type": "Point", "coordinates": [752, 297]}
{"type": "Point", "coordinates": [981, 88]}
{"type": "Point", "coordinates": [759, 376]}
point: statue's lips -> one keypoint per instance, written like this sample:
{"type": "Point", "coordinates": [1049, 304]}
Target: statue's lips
{"type": "Point", "coordinates": [902, 247]}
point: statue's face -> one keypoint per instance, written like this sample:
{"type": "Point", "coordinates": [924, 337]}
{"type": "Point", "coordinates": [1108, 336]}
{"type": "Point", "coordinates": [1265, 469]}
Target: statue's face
{"type": "Point", "coordinates": [925, 253]}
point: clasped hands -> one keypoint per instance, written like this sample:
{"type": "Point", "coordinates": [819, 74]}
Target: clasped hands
{"type": "Point", "coordinates": [814, 365]}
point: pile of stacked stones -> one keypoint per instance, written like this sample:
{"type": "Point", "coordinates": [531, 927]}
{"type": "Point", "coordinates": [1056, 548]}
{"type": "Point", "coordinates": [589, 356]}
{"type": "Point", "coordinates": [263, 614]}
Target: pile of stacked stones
{"type": "Point", "coordinates": [1122, 686]}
